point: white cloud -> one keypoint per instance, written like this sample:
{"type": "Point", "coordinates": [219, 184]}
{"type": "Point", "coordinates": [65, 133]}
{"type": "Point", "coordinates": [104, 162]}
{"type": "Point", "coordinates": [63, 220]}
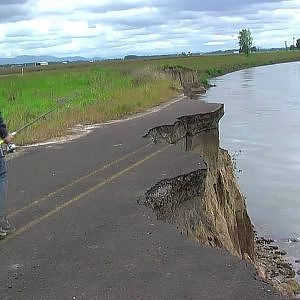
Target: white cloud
{"type": "Point", "coordinates": [105, 28]}
{"type": "Point", "coordinates": [214, 43]}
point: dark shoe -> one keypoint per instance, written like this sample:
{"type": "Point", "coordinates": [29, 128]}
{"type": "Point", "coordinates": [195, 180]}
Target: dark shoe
{"type": "Point", "coordinates": [6, 226]}
{"type": "Point", "coordinates": [3, 233]}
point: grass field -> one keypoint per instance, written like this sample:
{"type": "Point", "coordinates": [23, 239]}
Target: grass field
{"type": "Point", "coordinates": [106, 90]}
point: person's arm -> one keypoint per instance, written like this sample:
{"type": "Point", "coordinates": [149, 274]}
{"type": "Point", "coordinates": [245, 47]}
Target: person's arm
{"type": "Point", "coordinates": [4, 134]}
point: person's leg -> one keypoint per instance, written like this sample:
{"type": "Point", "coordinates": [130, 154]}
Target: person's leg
{"type": "Point", "coordinates": [3, 179]}
{"type": "Point", "coordinates": [5, 226]}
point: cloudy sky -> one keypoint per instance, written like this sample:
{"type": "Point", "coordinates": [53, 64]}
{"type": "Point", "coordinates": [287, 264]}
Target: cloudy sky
{"type": "Point", "coordinates": [106, 28]}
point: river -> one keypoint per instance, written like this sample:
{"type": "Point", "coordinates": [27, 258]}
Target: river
{"type": "Point", "coordinates": [261, 130]}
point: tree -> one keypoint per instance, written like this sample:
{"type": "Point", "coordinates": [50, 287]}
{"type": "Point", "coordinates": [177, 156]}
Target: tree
{"type": "Point", "coordinates": [245, 41]}
{"type": "Point", "coordinates": [298, 44]}
{"type": "Point", "coordinates": [254, 49]}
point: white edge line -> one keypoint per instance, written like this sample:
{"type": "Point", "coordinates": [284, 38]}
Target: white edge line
{"type": "Point", "coordinates": [86, 129]}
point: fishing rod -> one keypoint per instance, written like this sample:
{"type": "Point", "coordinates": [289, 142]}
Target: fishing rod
{"type": "Point", "coordinates": [10, 148]}
{"type": "Point", "coordinates": [33, 121]}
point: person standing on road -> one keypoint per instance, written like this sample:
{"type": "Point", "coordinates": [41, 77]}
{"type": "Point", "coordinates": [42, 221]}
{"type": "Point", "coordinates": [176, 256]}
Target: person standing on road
{"type": "Point", "coordinates": [5, 226]}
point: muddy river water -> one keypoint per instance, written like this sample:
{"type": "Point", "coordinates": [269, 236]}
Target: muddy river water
{"type": "Point", "coordinates": [261, 129]}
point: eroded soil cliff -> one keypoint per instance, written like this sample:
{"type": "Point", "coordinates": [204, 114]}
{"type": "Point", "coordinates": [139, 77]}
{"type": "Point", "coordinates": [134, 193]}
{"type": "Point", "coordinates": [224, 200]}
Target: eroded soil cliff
{"type": "Point", "coordinates": [207, 204]}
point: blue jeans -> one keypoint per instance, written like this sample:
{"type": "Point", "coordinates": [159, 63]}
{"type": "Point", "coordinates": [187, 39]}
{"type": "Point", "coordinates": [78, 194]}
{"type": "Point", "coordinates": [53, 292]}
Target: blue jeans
{"type": "Point", "coordinates": [3, 185]}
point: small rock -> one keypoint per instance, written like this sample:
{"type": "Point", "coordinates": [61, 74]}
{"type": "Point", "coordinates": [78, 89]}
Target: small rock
{"type": "Point", "coordinates": [280, 252]}
{"type": "Point", "coordinates": [298, 272]}
{"type": "Point", "coordinates": [293, 240]}
{"type": "Point", "coordinates": [262, 240]}
{"type": "Point", "coordinates": [274, 273]}
{"type": "Point", "coordinates": [297, 261]}
{"type": "Point", "coordinates": [269, 241]}
{"type": "Point", "coordinates": [16, 267]}
{"type": "Point", "coordinates": [283, 264]}
{"type": "Point", "coordinates": [288, 273]}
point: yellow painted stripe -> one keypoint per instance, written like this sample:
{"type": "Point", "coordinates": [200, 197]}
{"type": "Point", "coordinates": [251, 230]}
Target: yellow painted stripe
{"type": "Point", "coordinates": [44, 198]}
{"type": "Point", "coordinates": [80, 196]}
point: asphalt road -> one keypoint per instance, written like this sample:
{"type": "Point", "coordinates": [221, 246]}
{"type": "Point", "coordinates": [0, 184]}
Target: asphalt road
{"type": "Point", "coordinates": [81, 234]}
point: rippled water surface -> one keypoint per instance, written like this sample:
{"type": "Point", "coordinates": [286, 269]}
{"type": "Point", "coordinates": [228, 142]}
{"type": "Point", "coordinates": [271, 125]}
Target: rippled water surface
{"type": "Point", "coordinates": [261, 129]}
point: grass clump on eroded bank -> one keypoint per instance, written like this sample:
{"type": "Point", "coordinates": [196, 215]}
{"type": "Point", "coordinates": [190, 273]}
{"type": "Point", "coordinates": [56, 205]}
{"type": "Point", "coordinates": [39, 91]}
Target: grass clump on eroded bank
{"type": "Point", "coordinates": [105, 90]}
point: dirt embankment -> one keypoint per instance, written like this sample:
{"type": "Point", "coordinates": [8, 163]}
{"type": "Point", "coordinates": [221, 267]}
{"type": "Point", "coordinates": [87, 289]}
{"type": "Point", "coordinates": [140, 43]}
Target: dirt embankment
{"type": "Point", "coordinates": [188, 79]}
{"type": "Point", "coordinates": [207, 204]}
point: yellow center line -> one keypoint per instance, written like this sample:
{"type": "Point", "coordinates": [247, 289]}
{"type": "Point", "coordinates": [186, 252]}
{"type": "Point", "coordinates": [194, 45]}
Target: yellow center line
{"type": "Point", "coordinates": [72, 183]}
{"type": "Point", "coordinates": [80, 196]}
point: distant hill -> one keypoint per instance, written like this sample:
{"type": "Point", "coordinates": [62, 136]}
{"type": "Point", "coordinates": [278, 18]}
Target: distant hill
{"type": "Point", "coordinates": [29, 59]}
{"type": "Point", "coordinates": [156, 56]}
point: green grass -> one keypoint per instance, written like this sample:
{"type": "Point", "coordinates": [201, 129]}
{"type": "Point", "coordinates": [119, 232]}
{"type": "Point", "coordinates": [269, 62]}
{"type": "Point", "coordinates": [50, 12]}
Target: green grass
{"type": "Point", "coordinates": [104, 91]}
{"type": "Point", "coordinates": [96, 93]}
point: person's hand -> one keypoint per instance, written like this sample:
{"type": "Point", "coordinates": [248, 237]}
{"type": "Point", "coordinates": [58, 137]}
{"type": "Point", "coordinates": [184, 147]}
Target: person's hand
{"type": "Point", "coordinates": [8, 139]}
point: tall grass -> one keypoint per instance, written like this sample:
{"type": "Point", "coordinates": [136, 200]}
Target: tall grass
{"type": "Point", "coordinates": [106, 90]}
{"type": "Point", "coordinates": [96, 94]}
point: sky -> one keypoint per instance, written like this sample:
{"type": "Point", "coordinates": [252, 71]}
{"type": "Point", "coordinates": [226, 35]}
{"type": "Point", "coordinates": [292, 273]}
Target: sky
{"type": "Point", "coordinates": [111, 29]}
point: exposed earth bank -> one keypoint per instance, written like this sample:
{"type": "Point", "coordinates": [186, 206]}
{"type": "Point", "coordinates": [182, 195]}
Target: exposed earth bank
{"type": "Point", "coordinates": [207, 204]}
